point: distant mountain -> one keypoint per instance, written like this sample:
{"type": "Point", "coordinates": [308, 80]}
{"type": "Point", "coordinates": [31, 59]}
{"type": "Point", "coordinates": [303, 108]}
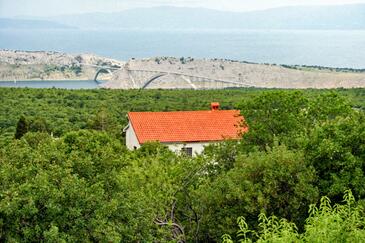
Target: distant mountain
{"type": "Point", "coordinates": [8, 23]}
{"type": "Point", "coordinates": [304, 17]}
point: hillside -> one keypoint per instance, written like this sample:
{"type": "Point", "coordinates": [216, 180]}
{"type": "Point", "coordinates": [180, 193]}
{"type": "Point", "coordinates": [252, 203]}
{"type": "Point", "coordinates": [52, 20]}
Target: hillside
{"type": "Point", "coordinates": [39, 65]}
{"type": "Point", "coordinates": [23, 65]}
{"type": "Point", "coordinates": [303, 17]}
{"type": "Point", "coordinates": [257, 75]}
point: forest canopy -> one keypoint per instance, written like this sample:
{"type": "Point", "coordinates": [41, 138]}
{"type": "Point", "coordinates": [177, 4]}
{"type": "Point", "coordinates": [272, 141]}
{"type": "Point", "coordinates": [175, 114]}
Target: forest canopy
{"type": "Point", "coordinates": [66, 175]}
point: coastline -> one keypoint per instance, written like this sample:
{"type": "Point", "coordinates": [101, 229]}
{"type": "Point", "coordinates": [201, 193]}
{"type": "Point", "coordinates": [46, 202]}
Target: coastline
{"type": "Point", "coordinates": [23, 66]}
{"type": "Point", "coordinates": [44, 80]}
{"type": "Point", "coordinates": [65, 78]}
{"type": "Point", "coordinates": [49, 65]}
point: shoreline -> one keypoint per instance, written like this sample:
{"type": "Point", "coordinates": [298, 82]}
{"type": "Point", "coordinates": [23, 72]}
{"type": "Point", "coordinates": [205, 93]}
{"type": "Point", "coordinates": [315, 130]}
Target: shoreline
{"type": "Point", "coordinates": [39, 66]}
{"type": "Point", "coordinates": [44, 80]}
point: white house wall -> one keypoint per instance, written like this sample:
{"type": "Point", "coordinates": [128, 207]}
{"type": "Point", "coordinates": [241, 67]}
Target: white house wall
{"type": "Point", "coordinates": [131, 138]}
{"type": "Point", "coordinates": [132, 143]}
{"type": "Point", "coordinates": [198, 148]}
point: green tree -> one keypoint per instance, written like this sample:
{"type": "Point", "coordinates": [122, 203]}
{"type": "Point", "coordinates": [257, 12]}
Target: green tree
{"type": "Point", "coordinates": [326, 223]}
{"type": "Point", "coordinates": [336, 150]}
{"type": "Point", "coordinates": [103, 120]}
{"type": "Point", "coordinates": [273, 115]}
{"type": "Point", "coordinates": [288, 116]}
{"type": "Point", "coordinates": [62, 188]}
{"type": "Point", "coordinates": [39, 124]}
{"type": "Point", "coordinates": [277, 181]}
{"type": "Point", "coordinates": [21, 127]}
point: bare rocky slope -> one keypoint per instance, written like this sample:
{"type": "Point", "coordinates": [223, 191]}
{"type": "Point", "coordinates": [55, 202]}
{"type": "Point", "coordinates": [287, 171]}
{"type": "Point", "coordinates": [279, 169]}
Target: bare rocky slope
{"type": "Point", "coordinates": [256, 75]}
{"type": "Point", "coordinates": [39, 65]}
{"type": "Point", "coordinates": [24, 65]}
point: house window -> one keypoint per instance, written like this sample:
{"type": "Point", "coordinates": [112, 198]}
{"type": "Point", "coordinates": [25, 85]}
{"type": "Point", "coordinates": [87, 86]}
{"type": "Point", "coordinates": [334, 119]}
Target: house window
{"type": "Point", "coordinates": [188, 151]}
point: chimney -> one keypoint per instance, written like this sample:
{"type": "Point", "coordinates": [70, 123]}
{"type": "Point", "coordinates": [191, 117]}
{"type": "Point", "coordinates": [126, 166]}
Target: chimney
{"type": "Point", "coordinates": [214, 106]}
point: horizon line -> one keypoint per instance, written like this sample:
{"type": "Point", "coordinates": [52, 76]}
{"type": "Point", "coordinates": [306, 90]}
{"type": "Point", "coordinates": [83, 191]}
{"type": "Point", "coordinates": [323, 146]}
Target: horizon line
{"type": "Point", "coordinates": [184, 7]}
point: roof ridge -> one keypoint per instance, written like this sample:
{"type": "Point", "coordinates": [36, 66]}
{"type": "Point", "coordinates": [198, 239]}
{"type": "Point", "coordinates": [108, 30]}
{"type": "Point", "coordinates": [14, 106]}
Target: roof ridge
{"type": "Point", "coordinates": [181, 111]}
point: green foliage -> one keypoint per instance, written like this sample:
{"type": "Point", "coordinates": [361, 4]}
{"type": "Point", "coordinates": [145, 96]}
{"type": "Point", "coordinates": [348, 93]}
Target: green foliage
{"type": "Point", "coordinates": [24, 125]}
{"type": "Point", "coordinates": [287, 116]}
{"type": "Point", "coordinates": [274, 182]}
{"type": "Point", "coordinates": [39, 124]}
{"type": "Point", "coordinates": [71, 110]}
{"type": "Point", "coordinates": [221, 157]}
{"type": "Point", "coordinates": [274, 114]}
{"type": "Point", "coordinates": [337, 151]}
{"type": "Point", "coordinates": [68, 176]}
{"type": "Point", "coordinates": [103, 120]}
{"type": "Point", "coordinates": [48, 69]}
{"type": "Point", "coordinates": [86, 186]}
{"type": "Point", "coordinates": [76, 69]}
{"type": "Point", "coordinates": [340, 223]}
{"type": "Point", "coordinates": [21, 127]}
{"type": "Point", "coordinates": [51, 190]}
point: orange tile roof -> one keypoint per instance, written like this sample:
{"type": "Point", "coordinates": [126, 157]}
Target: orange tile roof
{"type": "Point", "coordinates": [186, 126]}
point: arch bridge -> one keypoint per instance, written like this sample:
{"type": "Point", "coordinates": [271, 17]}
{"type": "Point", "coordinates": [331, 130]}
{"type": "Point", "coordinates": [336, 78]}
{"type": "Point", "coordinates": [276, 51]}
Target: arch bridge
{"type": "Point", "coordinates": [143, 78]}
{"type": "Point", "coordinates": [101, 69]}
{"type": "Point", "coordinates": [148, 77]}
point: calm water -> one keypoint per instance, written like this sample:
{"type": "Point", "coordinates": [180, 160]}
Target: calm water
{"type": "Point", "coordinates": [64, 84]}
{"type": "Point", "coordinates": [324, 48]}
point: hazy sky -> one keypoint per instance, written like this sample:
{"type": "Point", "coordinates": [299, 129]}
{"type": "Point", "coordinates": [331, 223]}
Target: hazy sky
{"type": "Point", "coordinates": [58, 7]}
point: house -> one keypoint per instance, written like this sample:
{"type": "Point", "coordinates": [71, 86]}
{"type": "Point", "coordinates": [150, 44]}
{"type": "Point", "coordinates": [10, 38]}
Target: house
{"type": "Point", "coordinates": [183, 131]}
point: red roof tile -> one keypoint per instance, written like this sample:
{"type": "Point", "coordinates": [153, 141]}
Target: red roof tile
{"type": "Point", "coordinates": [186, 126]}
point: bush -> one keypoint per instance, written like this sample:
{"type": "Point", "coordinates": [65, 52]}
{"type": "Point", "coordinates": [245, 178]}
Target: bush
{"type": "Point", "coordinates": [326, 223]}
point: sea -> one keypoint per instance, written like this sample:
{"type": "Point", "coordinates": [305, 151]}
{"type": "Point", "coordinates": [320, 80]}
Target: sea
{"type": "Point", "coordinates": [330, 48]}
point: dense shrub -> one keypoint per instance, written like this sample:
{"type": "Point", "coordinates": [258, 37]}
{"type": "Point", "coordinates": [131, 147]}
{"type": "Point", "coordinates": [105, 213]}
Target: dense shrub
{"type": "Point", "coordinates": [66, 175]}
{"type": "Point", "coordinates": [326, 223]}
